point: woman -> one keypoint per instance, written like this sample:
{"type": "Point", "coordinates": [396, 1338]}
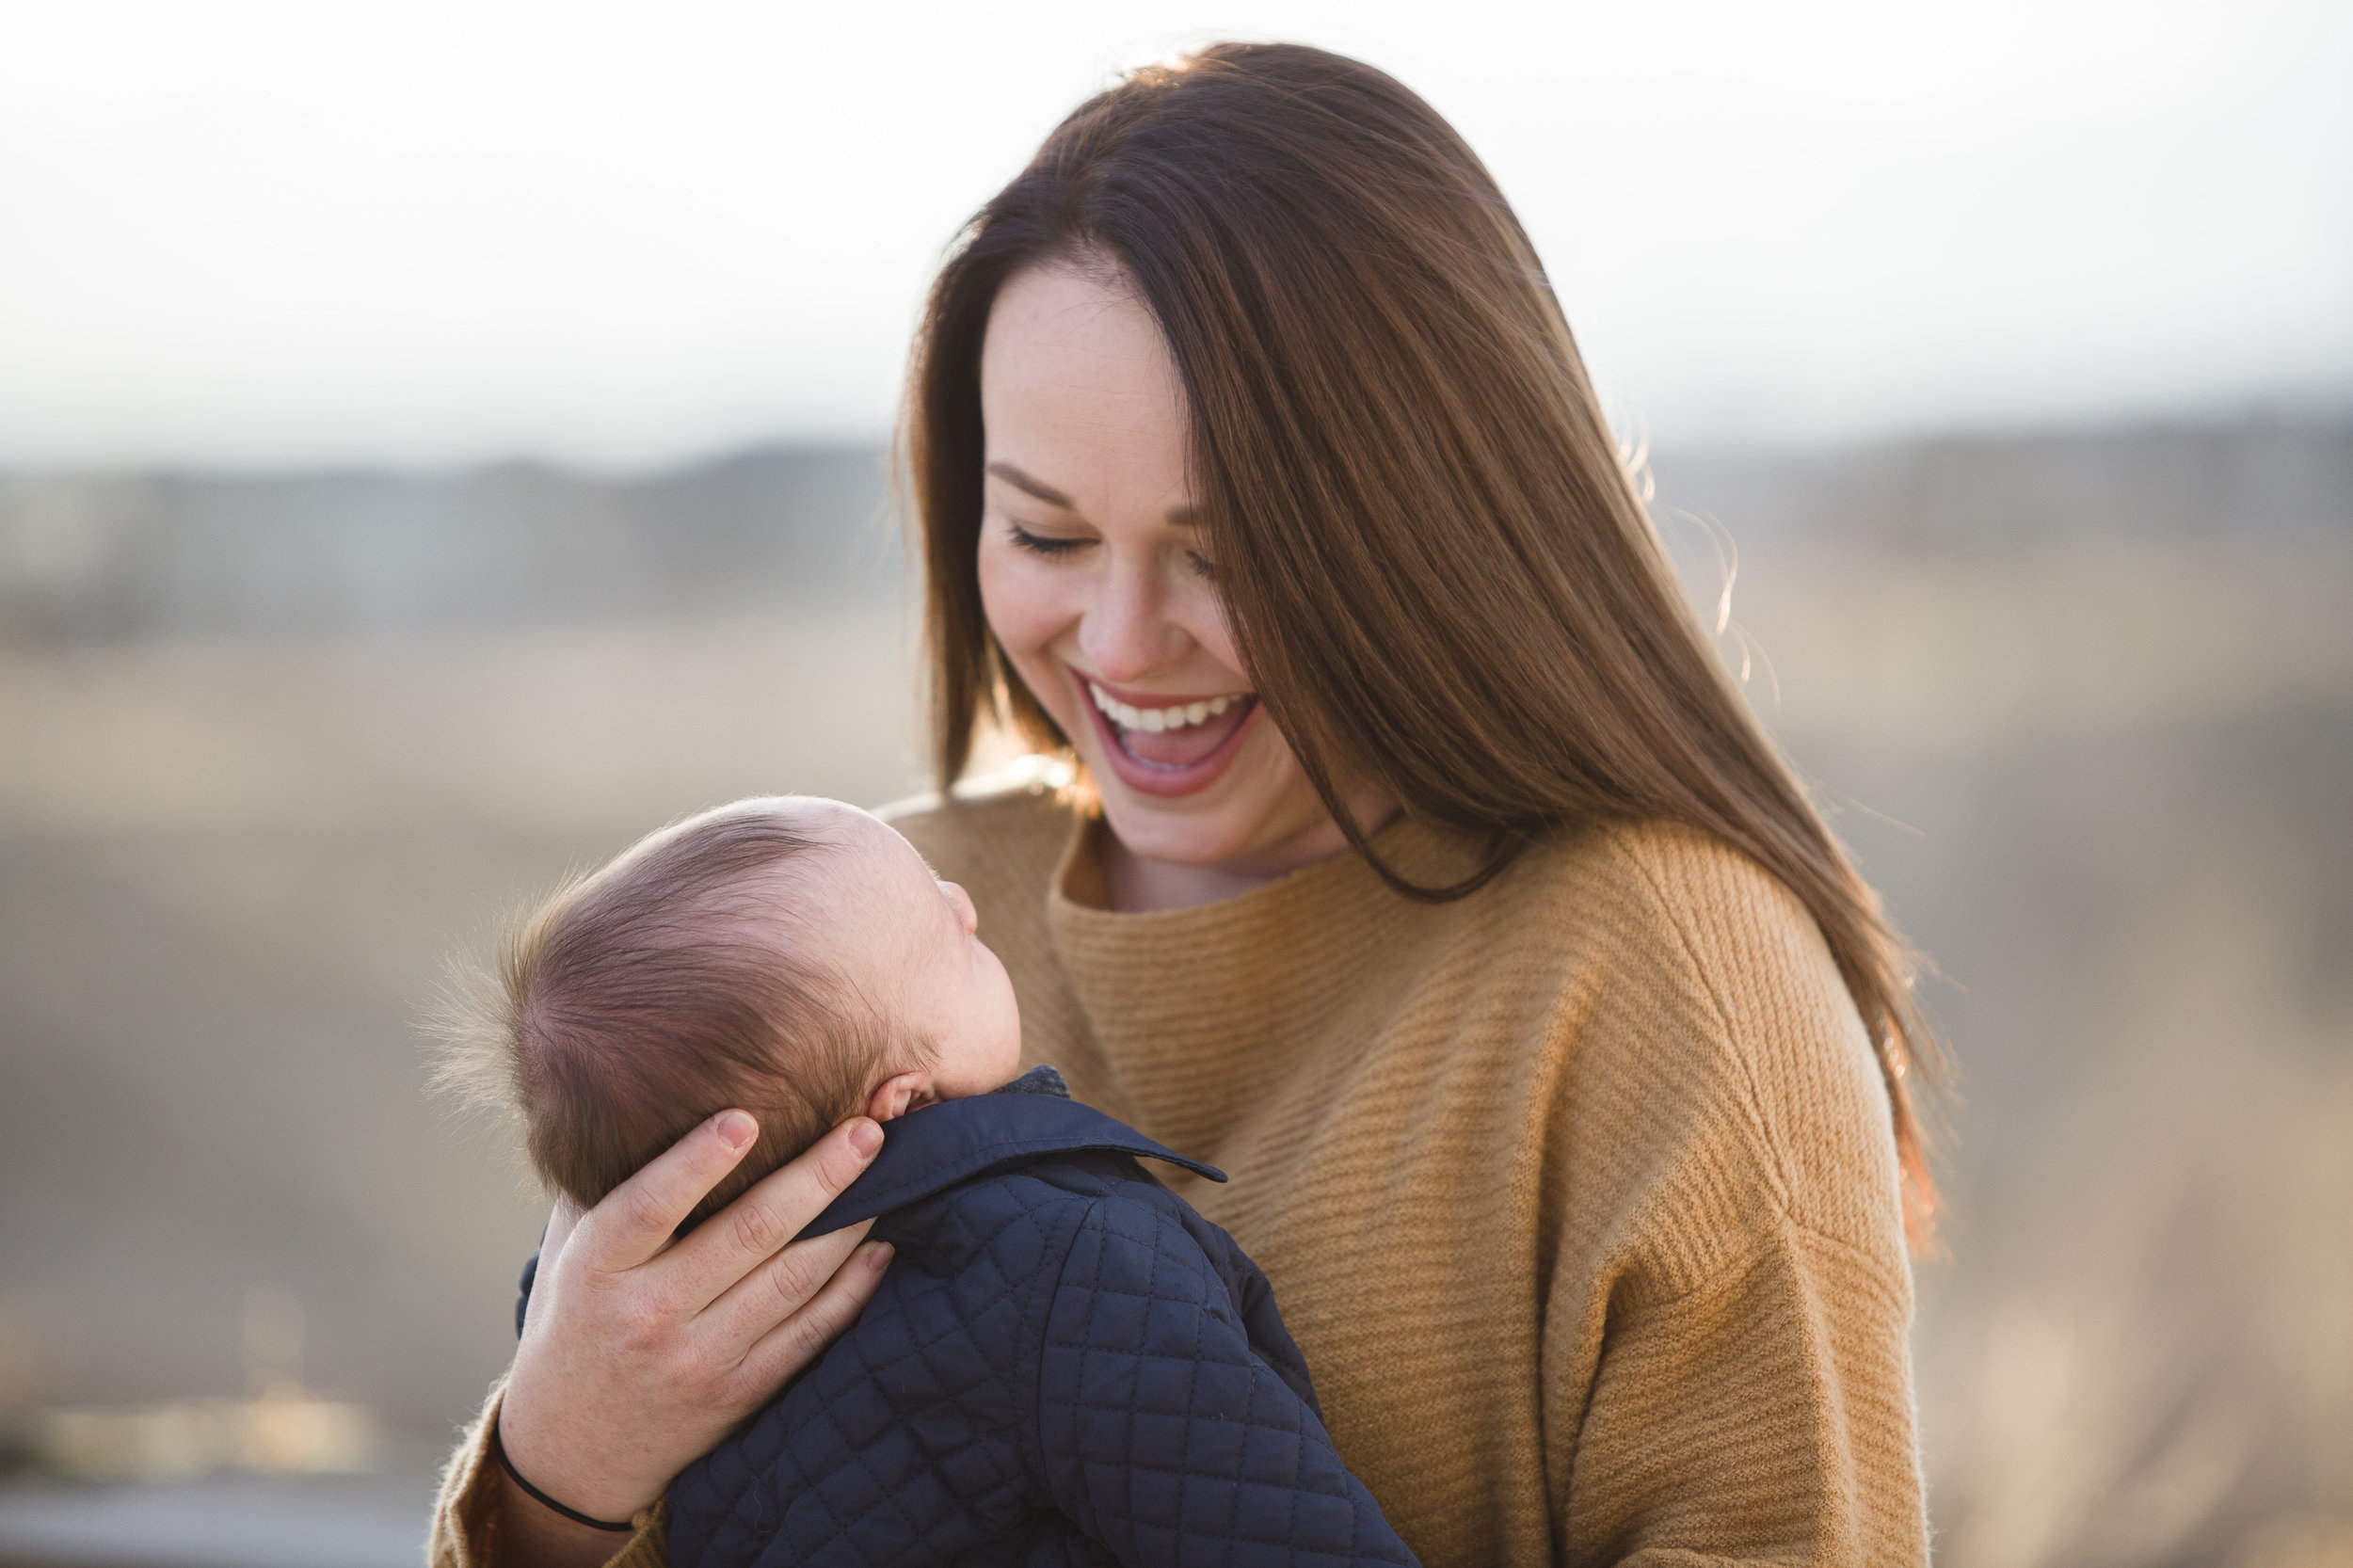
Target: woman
{"type": "Point", "coordinates": [1424, 871]}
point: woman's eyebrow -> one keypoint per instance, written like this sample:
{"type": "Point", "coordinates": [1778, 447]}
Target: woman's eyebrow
{"type": "Point", "coordinates": [1028, 486]}
{"type": "Point", "coordinates": [1182, 517]}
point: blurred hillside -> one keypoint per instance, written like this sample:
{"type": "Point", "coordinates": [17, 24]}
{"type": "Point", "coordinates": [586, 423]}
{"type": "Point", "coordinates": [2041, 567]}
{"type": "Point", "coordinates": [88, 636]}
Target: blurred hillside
{"type": "Point", "coordinates": [86, 558]}
{"type": "Point", "coordinates": [2082, 704]}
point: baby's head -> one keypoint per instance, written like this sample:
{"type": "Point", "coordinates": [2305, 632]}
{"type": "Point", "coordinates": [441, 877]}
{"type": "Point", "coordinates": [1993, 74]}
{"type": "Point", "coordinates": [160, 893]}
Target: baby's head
{"type": "Point", "coordinates": [789, 956]}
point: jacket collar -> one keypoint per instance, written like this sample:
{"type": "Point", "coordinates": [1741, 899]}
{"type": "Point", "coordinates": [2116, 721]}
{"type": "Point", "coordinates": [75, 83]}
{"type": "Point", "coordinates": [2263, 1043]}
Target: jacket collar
{"type": "Point", "coordinates": [926, 1152]}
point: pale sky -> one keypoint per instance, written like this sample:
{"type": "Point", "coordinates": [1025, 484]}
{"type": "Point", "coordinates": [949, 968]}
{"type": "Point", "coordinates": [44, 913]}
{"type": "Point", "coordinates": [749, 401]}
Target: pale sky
{"type": "Point", "coordinates": [291, 232]}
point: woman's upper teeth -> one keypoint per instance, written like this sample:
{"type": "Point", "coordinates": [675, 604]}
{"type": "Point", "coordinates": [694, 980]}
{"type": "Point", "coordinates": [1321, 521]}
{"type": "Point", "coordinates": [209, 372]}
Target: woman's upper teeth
{"type": "Point", "coordinates": [1158, 719]}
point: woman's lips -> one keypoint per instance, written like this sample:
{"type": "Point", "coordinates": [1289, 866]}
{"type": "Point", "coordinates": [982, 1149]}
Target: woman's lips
{"type": "Point", "coordinates": [1185, 755]}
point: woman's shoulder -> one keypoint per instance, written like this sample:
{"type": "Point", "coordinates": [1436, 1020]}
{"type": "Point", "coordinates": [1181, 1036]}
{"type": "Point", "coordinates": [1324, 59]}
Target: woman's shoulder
{"type": "Point", "coordinates": [1672, 897]}
{"type": "Point", "coordinates": [1660, 895]}
{"type": "Point", "coordinates": [1712, 999]}
{"type": "Point", "coordinates": [1008, 826]}
{"type": "Point", "coordinates": [1673, 873]}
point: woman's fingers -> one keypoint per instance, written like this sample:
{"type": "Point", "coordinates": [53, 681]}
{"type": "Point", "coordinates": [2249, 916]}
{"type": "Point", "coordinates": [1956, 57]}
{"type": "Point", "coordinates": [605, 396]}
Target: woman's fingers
{"type": "Point", "coordinates": [795, 1342]}
{"type": "Point", "coordinates": [621, 1377]}
{"type": "Point", "coordinates": [562, 1221]}
{"type": "Point", "coordinates": [774, 1291]}
{"type": "Point", "coordinates": [725, 1248]}
{"type": "Point", "coordinates": [637, 1219]}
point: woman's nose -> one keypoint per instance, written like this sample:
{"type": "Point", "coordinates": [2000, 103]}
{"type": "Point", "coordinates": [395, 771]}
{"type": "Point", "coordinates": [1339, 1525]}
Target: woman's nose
{"type": "Point", "coordinates": [1126, 632]}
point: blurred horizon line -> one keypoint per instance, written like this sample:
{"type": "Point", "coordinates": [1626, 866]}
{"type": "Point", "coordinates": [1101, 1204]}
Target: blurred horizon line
{"type": "Point", "coordinates": [2284, 407]}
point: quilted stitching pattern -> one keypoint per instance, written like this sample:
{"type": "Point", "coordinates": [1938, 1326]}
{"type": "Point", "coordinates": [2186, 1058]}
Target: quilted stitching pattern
{"type": "Point", "coordinates": [1065, 1365]}
{"type": "Point", "coordinates": [1166, 1436]}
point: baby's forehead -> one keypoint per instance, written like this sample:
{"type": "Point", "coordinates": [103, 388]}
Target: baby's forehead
{"type": "Point", "coordinates": [868, 900]}
{"type": "Point", "coordinates": [864, 850]}
{"type": "Point", "coordinates": [851, 828]}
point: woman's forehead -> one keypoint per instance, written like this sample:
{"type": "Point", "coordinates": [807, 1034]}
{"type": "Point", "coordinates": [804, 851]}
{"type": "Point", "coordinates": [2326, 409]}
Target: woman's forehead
{"type": "Point", "coordinates": [1062, 314]}
{"type": "Point", "coordinates": [1077, 387]}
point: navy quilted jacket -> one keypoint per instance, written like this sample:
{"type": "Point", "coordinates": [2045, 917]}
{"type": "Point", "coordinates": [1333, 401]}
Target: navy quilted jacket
{"type": "Point", "coordinates": [1064, 1364]}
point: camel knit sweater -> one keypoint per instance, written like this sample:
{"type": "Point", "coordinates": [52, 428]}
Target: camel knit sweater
{"type": "Point", "coordinates": [1579, 1193]}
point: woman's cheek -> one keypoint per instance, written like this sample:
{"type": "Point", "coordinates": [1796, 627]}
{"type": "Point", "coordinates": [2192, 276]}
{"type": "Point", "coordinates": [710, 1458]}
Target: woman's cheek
{"type": "Point", "coordinates": [1022, 606]}
{"type": "Point", "coordinates": [1004, 599]}
{"type": "Point", "coordinates": [1206, 619]}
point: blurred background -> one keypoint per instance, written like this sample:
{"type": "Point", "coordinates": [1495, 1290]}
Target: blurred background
{"type": "Point", "coordinates": [439, 442]}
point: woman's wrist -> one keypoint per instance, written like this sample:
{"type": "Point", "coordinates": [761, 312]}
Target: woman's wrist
{"type": "Point", "coordinates": [498, 1451]}
{"type": "Point", "coordinates": [530, 1536]}
{"type": "Point", "coordinates": [556, 1462]}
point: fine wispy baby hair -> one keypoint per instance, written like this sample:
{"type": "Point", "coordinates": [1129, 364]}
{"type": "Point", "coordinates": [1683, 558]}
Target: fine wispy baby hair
{"type": "Point", "coordinates": [689, 976]}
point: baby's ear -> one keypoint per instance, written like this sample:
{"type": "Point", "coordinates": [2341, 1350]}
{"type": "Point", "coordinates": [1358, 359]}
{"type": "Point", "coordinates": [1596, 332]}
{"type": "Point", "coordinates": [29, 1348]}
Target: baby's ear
{"type": "Point", "coordinates": [896, 1096]}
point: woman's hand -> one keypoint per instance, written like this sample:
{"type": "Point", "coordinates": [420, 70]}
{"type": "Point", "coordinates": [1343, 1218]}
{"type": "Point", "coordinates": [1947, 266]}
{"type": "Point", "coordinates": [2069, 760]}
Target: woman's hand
{"type": "Point", "coordinates": [637, 1355]}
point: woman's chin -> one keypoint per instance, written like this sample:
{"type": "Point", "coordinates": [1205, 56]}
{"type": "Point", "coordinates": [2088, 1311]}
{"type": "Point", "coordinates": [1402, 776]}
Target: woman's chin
{"type": "Point", "coordinates": [1151, 833]}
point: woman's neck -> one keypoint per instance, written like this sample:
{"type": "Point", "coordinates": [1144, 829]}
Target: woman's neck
{"type": "Point", "coordinates": [1135, 883]}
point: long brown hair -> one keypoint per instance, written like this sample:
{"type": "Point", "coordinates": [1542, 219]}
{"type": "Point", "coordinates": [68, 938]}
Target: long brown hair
{"type": "Point", "coordinates": [1439, 574]}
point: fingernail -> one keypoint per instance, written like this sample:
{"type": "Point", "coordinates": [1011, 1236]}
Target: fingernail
{"type": "Point", "coordinates": [877, 1256]}
{"type": "Point", "coordinates": [865, 1137]}
{"type": "Point", "coordinates": [736, 1129]}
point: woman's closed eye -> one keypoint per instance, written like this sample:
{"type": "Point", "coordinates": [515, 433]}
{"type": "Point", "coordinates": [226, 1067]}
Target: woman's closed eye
{"type": "Point", "coordinates": [1053, 547]}
{"type": "Point", "coordinates": [1062, 547]}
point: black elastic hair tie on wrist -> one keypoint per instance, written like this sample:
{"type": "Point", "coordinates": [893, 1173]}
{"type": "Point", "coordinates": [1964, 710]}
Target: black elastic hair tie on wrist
{"type": "Point", "coordinates": [575, 1516]}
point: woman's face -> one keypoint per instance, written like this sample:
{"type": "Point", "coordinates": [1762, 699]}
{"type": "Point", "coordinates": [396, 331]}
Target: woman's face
{"type": "Point", "coordinates": [1096, 585]}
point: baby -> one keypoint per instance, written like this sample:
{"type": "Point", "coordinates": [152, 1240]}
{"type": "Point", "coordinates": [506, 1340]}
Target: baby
{"type": "Point", "coordinates": [1064, 1363]}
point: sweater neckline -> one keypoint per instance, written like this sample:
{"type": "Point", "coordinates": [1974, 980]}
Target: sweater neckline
{"type": "Point", "coordinates": [1205, 1017]}
{"type": "Point", "coordinates": [1415, 850]}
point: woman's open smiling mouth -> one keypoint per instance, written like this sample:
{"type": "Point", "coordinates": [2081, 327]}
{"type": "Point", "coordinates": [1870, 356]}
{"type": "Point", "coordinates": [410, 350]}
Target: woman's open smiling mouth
{"type": "Point", "coordinates": [1166, 745]}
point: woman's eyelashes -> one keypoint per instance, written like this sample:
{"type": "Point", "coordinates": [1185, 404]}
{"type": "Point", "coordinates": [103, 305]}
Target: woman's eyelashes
{"type": "Point", "coordinates": [1052, 546]}
{"type": "Point", "coordinates": [1059, 547]}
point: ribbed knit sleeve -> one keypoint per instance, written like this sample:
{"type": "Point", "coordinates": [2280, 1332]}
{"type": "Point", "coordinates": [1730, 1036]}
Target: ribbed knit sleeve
{"type": "Point", "coordinates": [465, 1522]}
{"type": "Point", "coordinates": [1730, 1383]}
{"type": "Point", "coordinates": [465, 1530]}
{"type": "Point", "coordinates": [1752, 1420]}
